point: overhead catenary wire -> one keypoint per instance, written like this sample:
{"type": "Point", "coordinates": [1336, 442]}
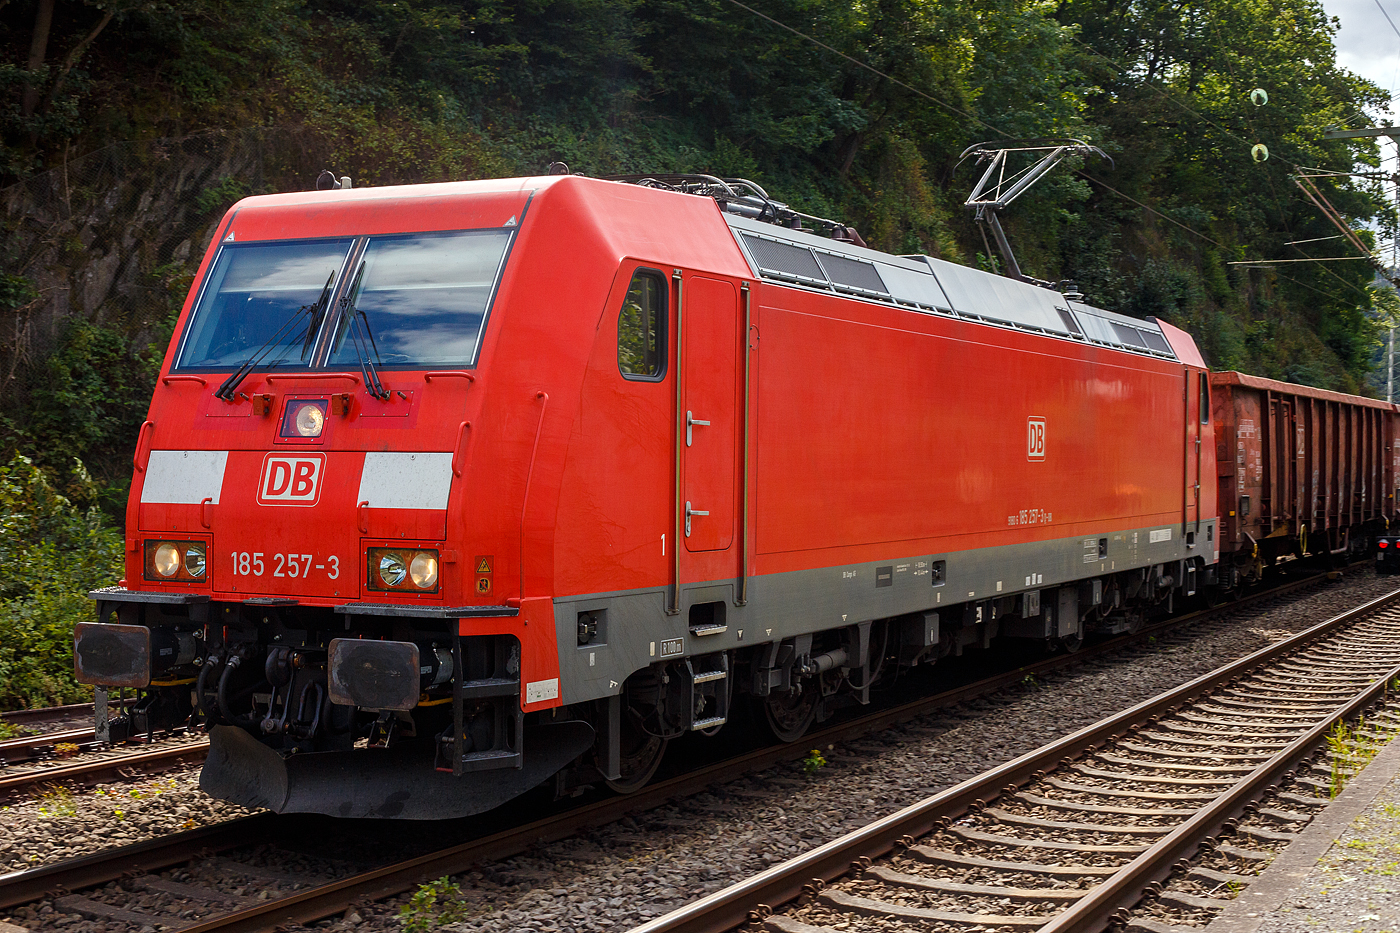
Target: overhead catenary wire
{"type": "Point", "coordinates": [1387, 18]}
{"type": "Point", "coordinates": [1269, 262]}
{"type": "Point", "coordinates": [963, 113]}
{"type": "Point", "coordinates": [999, 131]}
{"type": "Point", "coordinates": [1228, 132]}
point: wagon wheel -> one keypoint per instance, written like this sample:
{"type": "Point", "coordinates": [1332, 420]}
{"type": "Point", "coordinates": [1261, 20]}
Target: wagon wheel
{"type": "Point", "coordinates": [639, 755]}
{"type": "Point", "coordinates": [790, 714]}
{"type": "Point", "coordinates": [1215, 596]}
{"type": "Point", "coordinates": [1069, 644]}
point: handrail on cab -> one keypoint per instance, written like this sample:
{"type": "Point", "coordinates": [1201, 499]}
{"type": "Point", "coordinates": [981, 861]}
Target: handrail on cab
{"type": "Point", "coordinates": [449, 374]}
{"type": "Point", "coordinates": [293, 377]}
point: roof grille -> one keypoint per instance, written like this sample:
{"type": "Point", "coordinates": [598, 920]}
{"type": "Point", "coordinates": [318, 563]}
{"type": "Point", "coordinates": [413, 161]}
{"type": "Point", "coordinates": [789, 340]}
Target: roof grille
{"type": "Point", "coordinates": [784, 259]}
{"type": "Point", "coordinates": [853, 273]}
{"type": "Point", "coordinates": [1130, 335]}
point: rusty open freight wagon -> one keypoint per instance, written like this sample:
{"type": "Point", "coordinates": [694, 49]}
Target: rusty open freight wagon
{"type": "Point", "coordinates": [1300, 469]}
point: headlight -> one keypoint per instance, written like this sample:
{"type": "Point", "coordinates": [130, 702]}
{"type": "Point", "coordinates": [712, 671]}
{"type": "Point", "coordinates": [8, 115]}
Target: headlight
{"type": "Point", "coordinates": [194, 560]}
{"type": "Point", "coordinates": [310, 420]}
{"type": "Point", "coordinates": [176, 560]}
{"type": "Point", "coordinates": [167, 560]}
{"type": "Point", "coordinates": [391, 570]}
{"type": "Point", "coordinates": [304, 418]}
{"type": "Point", "coordinates": [424, 570]}
{"type": "Point", "coordinates": [405, 570]}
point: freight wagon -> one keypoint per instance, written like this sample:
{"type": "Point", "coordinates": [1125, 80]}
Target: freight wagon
{"type": "Point", "coordinates": [1301, 471]}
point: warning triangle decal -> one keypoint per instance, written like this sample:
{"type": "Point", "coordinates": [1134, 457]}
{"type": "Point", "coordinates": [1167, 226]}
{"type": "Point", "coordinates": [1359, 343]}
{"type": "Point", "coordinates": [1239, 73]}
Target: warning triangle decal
{"type": "Point", "coordinates": [483, 566]}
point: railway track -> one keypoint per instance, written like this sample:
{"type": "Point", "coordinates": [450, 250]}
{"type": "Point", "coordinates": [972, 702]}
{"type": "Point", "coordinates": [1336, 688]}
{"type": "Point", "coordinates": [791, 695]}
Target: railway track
{"type": "Point", "coordinates": [1072, 837]}
{"type": "Point", "coordinates": [104, 765]}
{"type": "Point", "coordinates": [306, 899]}
{"type": "Point", "coordinates": [74, 758]}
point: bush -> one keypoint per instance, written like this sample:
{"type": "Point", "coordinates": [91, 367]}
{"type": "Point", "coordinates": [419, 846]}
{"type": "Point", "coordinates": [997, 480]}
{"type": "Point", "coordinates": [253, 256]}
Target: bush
{"type": "Point", "coordinates": [86, 401]}
{"type": "Point", "coordinates": [51, 554]}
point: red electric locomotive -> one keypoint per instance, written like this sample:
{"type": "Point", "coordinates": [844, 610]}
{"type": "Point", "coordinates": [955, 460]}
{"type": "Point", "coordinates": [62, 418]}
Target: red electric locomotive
{"type": "Point", "coordinates": [448, 489]}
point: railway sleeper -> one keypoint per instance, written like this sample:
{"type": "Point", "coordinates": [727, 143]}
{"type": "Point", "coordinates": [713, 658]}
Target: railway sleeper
{"type": "Point", "coordinates": [938, 885]}
{"type": "Point", "coordinates": [1209, 877]}
{"type": "Point", "coordinates": [1184, 901]}
{"type": "Point", "coordinates": [1175, 796]}
{"type": "Point", "coordinates": [869, 907]}
{"type": "Point", "coordinates": [1051, 803]}
{"type": "Point", "coordinates": [190, 892]}
{"type": "Point", "coordinates": [1016, 819]}
{"type": "Point", "coordinates": [778, 923]}
{"type": "Point", "coordinates": [89, 909]}
{"type": "Point", "coordinates": [1284, 816]}
{"type": "Point", "coordinates": [1265, 835]}
{"type": "Point", "coordinates": [934, 856]}
{"type": "Point", "coordinates": [1149, 925]}
{"type": "Point", "coordinates": [1016, 842]}
{"type": "Point", "coordinates": [1238, 854]}
{"type": "Point", "coordinates": [1303, 800]}
{"type": "Point", "coordinates": [1163, 762]}
{"type": "Point", "coordinates": [1169, 752]}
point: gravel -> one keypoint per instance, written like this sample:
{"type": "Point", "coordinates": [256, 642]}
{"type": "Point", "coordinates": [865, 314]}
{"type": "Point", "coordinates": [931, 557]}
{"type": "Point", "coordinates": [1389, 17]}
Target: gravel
{"type": "Point", "coordinates": [56, 823]}
{"type": "Point", "coordinates": [1353, 886]}
{"type": "Point", "coordinates": [645, 865]}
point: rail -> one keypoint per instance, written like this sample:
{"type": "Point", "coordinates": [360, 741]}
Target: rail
{"type": "Point", "coordinates": [323, 900]}
{"type": "Point", "coordinates": [728, 908]}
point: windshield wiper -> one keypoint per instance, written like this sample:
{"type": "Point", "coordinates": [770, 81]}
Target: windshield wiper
{"type": "Point", "coordinates": [356, 316]}
{"type": "Point", "coordinates": [317, 311]}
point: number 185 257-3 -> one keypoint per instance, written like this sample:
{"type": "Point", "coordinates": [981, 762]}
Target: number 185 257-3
{"type": "Point", "coordinates": [255, 564]}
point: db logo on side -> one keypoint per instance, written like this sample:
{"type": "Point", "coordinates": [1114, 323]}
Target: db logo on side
{"type": "Point", "coordinates": [1035, 438]}
{"type": "Point", "coordinates": [291, 480]}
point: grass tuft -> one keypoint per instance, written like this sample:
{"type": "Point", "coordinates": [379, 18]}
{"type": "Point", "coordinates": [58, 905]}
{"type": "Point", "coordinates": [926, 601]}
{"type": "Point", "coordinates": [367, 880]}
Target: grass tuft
{"type": "Point", "coordinates": [1353, 747]}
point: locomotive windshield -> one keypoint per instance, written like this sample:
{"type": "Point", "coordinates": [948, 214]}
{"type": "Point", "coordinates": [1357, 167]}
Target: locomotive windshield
{"type": "Point", "coordinates": [423, 297]}
{"type": "Point", "coordinates": [254, 290]}
{"type": "Point", "coordinates": [414, 300]}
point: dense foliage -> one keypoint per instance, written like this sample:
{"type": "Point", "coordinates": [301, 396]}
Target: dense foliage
{"type": "Point", "coordinates": [862, 116]}
{"type": "Point", "coordinates": [51, 554]}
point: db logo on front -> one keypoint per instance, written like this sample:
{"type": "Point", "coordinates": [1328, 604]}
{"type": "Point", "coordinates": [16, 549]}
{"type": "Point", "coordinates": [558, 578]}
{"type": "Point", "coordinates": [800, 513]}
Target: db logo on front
{"type": "Point", "coordinates": [291, 480]}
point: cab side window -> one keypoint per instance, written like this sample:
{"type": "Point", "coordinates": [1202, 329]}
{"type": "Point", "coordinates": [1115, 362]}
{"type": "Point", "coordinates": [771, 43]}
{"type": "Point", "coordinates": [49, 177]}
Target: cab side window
{"type": "Point", "coordinates": [641, 328]}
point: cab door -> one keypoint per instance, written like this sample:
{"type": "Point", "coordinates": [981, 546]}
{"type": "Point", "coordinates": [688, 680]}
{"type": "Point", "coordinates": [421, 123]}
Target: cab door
{"type": "Point", "coordinates": [1197, 402]}
{"type": "Point", "coordinates": [709, 364]}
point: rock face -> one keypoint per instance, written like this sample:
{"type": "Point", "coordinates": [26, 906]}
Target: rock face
{"type": "Point", "coordinates": [114, 237]}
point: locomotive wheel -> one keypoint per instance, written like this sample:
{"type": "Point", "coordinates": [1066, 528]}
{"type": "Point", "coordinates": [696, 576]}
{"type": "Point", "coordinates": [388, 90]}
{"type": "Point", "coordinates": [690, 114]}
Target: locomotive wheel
{"type": "Point", "coordinates": [1069, 644]}
{"type": "Point", "coordinates": [790, 714]}
{"type": "Point", "coordinates": [639, 756]}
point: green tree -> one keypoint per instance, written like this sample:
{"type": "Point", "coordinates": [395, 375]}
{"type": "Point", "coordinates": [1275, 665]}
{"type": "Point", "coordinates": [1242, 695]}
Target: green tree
{"type": "Point", "coordinates": [51, 554]}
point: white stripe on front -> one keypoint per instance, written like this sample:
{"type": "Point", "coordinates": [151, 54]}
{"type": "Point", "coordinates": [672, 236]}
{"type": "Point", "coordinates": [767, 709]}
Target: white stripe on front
{"type": "Point", "coordinates": [405, 481]}
{"type": "Point", "coordinates": [184, 477]}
